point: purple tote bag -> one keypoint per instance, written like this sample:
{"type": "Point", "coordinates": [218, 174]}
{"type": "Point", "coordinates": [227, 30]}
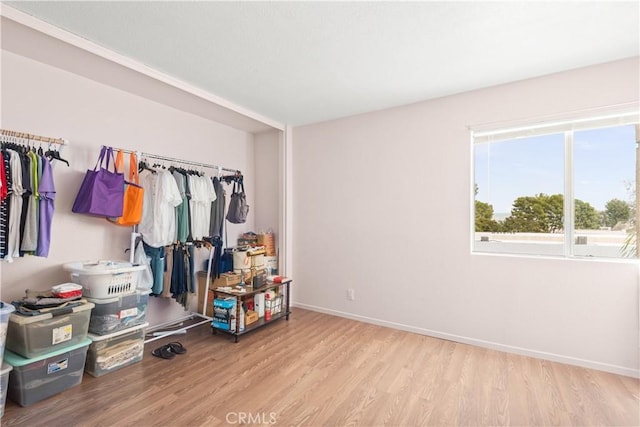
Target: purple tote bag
{"type": "Point", "coordinates": [102, 191]}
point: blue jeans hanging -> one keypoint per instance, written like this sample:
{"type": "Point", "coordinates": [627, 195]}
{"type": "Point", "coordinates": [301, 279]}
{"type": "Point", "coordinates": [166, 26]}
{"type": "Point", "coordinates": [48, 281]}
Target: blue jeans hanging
{"type": "Point", "coordinates": [157, 267]}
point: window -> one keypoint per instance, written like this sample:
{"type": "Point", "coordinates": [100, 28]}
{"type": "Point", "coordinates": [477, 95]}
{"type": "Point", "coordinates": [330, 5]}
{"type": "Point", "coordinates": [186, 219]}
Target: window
{"type": "Point", "coordinates": [561, 189]}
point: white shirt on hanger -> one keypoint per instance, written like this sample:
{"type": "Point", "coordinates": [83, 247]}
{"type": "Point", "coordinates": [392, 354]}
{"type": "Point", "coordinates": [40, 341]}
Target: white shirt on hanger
{"type": "Point", "coordinates": [161, 196]}
{"type": "Point", "coordinates": [202, 195]}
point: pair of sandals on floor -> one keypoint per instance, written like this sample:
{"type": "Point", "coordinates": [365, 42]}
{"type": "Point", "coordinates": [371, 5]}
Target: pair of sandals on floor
{"type": "Point", "coordinates": [169, 351]}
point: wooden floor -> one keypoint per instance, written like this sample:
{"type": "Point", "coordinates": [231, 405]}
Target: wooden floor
{"type": "Point", "coordinates": [320, 370]}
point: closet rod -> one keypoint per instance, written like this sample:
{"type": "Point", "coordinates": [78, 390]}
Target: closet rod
{"type": "Point", "coordinates": [30, 136]}
{"type": "Point", "coordinates": [172, 159]}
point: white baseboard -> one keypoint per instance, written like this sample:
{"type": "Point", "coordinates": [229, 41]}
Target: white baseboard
{"type": "Point", "coordinates": [620, 370]}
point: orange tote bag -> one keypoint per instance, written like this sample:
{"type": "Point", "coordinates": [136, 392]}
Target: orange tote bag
{"type": "Point", "coordinates": [133, 193]}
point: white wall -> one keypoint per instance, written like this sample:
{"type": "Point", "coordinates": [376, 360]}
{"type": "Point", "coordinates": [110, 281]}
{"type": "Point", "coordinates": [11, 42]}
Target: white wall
{"type": "Point", "coordinates": [382, 205]}
{"type": "Point", "coordinates": [266, 197]}
{"type": "Point", "coordinates": [44, 100]}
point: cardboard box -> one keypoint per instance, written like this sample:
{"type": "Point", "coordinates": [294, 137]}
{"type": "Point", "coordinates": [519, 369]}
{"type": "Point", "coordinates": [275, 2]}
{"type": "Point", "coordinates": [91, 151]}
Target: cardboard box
{"type": "Point", "coordinates": [250, 317]}
{"type": "Point", "coordinates": [226, 279]}
{"type": "Point", "coordinates": [202, 280]}
{"type": "Point", "coordinates": [268, 240]}
{"type": "Point", "coordinates": [209, 304]}
{"type": "Point", "coordinates": [224, 314]}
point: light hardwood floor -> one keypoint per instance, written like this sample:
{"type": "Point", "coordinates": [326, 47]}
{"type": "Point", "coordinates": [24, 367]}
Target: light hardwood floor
{"type": "Point", "coordinates": [320, 370]}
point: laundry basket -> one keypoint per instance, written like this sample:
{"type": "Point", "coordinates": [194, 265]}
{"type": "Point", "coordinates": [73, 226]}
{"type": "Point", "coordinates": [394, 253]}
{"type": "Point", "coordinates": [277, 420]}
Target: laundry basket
{"type": "Point", "coordinates": [105, 279]}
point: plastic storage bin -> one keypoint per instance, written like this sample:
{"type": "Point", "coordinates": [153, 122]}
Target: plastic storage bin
{"type": "Point", "coordinates": [118, 313]}
{"type": "Point", "coordinates": [5, 312]}
{"type": "Point", "coordinates": [33, 336]}
{"type": "Point", "coordinates": [4, 382]}
{"type": "Point", "coordinates": [36, 379]}
{"type": "Point", "coordinates": [108, 353]}
{"type": "Point", "coordinates": [105, 279]}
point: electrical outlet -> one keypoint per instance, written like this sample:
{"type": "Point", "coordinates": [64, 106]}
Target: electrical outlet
{"type": "Point", "coordinates": [351, 294]}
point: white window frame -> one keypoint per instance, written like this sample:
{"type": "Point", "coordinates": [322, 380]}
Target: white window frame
{"type": "Point", "coordinates": [567, 127]}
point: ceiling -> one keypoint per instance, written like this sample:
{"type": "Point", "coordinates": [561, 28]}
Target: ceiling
{"type": "Point", "coordinates": [306, 62]}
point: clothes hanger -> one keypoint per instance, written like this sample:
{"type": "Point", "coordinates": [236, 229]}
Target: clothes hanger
{"type": "Point", "coordinates": [142, 165]}
{"type": "Point", "coordinates": [54, 155]}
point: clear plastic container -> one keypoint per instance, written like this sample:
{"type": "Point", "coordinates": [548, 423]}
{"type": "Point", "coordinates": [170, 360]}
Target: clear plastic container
{"type": "Point", "coordinates": [4, 383]}
{"type": "Point", "coordinates": [5, 312]}
{"type": "Point", "coordinates": [36, 379]}
{"type": "Point", "coordinates": [33, 336]}
{"type": "Point", "coordinates": [118, 313]}
{"type": "Point", "coordinates": [108, 353]}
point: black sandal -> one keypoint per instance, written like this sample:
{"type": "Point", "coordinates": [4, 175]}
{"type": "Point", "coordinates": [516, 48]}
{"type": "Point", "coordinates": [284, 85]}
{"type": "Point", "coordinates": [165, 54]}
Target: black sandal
{"type": "Point", "coordinates": [176, 348]}
{"type": "Point", "coordinates": [163, 352]}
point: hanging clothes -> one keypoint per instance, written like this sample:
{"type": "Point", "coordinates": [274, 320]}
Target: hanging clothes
{"type": "Point", "coordinates": [191, 277]}
{"type": "Point", "coordinates": [161, 196]}
{"type": "Point", "coordinates": [30, 234]}
{"type": "Point", "coordinates": [182, 210]}
{"type": "Point", "coordinates": [156, 262]}
{"type": "Point", "coordinates": [177, 216]}
{"type": "Point", "coordinates": [25, 158]}
{"type": "Point", "coordinates": [178, 273]}
{"type": "Point", "coordinates": [5, 203]}
{"type": "Point", "coordinates": [216, 226]}
{"type": "Point", "coordinates": [23, 218]}
{"type": "Point", "coordinates": [217, 209]}
{"type": "Point", "coordinates": [202, 195]}
{"type": "Point", "coordinates": [168, 272]}
{"type": "Point", "coordinates": [27, 203]}
{"type": "Point", "coordinates": [158, 224]}
{"type": "Point", "coordinates": [15, 209]}
{"type": "Point", "coordinates": [47, 196]}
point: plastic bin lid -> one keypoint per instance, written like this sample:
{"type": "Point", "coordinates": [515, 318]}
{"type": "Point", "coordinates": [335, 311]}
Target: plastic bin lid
{"type": "Point", "coordinates": [139, 292]}
{"type": "Point", "coordinates": [6, 368]}
{"type": "Point", "coordinates": [89, 268]}
{"type": "Point", "coordinates": [6, 308]}
{"type": "Point", "coordinates": [96, 338]}
{"type": "Point", "coordinates": [25, 320]}
{"type": "Point", "coordinates": [18, 361]}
